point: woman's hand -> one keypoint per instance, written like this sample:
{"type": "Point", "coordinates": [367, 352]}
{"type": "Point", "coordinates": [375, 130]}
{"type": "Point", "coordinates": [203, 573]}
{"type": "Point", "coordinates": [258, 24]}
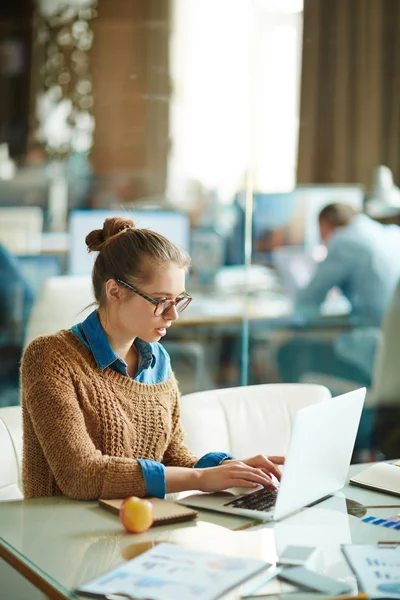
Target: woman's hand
{"type": "Point", "coordinates": [268, 464]}
{"type": "Point", "coordinates": [237, 473]}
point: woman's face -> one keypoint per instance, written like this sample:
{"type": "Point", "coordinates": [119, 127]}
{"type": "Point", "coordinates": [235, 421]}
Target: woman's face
{"type": "Point", "coordinates": [134, 315]}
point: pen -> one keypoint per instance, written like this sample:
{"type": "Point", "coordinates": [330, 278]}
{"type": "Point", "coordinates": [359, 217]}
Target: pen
{"type": "Point", "coordinates": [248, 525]}
{"type": "Point", "coordinates": [392, 543]}
{"type": "Point", "coordinates": [383, 506]}
{"type": "Point", "coordinates": [360, 596]}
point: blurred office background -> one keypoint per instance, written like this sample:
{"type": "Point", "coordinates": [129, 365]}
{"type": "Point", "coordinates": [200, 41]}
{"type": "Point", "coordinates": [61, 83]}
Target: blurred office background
{"type": "Point", "coordinates": [227, 125]}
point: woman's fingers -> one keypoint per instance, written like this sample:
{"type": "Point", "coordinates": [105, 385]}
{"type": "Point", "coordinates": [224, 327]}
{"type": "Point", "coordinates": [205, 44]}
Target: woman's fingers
{"type": "Point", "coordinates": [265, 472]}
{"type": "Point", "coordinates": [269, 467]}
{"type": "Point", "coordinates": [278, 460]}
{"type": "Point", "coordinates": [254, 475]}
{"type": "Point", "coordinates": [234, 474]}
{"type": "Point", "coordinates": [244, 483]}
{"type": "Point", "coordinates": [262, 462]}
{"type": "Point", "coordinates": [272, 468]}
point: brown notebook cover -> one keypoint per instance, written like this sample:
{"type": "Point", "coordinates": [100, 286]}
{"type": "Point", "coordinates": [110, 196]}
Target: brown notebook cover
{"type": "Point", "coordinates": [165, 511]}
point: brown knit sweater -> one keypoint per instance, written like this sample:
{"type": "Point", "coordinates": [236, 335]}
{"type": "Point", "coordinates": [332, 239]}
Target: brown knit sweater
{"type": "Point", "coordinates": [84, 428]}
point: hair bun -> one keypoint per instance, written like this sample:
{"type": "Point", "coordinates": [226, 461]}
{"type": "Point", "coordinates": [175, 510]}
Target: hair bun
{"type": "Point", "coordinates": [98, 238]}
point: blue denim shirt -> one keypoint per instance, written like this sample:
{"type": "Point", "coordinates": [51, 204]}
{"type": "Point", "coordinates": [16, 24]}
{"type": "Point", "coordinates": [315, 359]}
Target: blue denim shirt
{"type": "Point", "coordinates": [154, 366]}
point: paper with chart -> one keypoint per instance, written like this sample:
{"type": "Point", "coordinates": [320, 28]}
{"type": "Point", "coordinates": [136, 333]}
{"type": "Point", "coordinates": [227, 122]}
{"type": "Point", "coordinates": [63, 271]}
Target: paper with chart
{"type": "Point", "coordinates": [377, 569]}
{"type": "Point", "coordinates": [168, 572]}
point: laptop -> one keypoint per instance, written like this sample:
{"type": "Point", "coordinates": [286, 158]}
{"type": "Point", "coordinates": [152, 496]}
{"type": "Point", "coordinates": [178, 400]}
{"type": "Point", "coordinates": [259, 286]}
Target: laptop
{"type": "Point", "coordinates": [316, 466]}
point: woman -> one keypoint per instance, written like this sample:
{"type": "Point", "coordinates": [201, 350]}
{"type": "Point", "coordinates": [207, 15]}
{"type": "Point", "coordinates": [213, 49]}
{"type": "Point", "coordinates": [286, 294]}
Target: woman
{"type": "Point", "coordinates": [100, 402]}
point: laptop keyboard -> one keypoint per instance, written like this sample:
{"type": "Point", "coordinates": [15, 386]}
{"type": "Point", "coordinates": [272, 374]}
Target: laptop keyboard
{"type": "Point", "coordinates": [263, 500]}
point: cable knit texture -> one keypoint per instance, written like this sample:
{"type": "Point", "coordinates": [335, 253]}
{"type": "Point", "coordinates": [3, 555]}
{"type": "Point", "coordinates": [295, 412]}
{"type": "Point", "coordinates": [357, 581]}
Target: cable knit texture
{"type": "Point", "coordinates": [84, 428]}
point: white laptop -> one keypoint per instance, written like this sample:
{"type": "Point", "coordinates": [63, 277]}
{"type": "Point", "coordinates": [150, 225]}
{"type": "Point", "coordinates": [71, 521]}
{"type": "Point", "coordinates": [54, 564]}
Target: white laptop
{"type": "Point", "coordinates": [316, 466]}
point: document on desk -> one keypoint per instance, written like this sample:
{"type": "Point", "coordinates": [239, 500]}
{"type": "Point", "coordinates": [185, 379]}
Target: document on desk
{"type": "Point", "coordinates": [169, 571]}
{"type": "Point", "coordinates": [377, 569]}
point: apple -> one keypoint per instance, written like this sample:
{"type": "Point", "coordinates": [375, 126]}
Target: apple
{"type": "Point", "coordinates": [136, 514]}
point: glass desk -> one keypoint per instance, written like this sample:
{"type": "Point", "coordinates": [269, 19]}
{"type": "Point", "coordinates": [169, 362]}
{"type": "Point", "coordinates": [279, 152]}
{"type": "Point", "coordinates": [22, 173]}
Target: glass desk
{"type": "Point", "coordinates": [59, 543]}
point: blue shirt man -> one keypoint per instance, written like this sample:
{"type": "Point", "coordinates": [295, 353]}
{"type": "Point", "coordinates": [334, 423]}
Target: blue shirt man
{"type": "Point", "coordinates": [363, 261]}
{"type": "Point", "coordinates": [153, 367]}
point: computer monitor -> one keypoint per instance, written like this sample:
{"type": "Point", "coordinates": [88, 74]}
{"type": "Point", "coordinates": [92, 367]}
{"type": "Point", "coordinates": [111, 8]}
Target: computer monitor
{"type": "Point", "coordinates": [287, 219]}
{"type": "Point", "coordinates": [272, 212]}
{"type": "Point", "coordinates": [21, 228]}
{"type": "Point", "coordinates": [311, 199]}
{"type": "Point", "coordinates": [174, 225]}
{"type": "Point", "coordinates": [291, 219]}
{"type": "Point", "coordinates": [37, 268]}
{"type": "Point", "coordinates": [275, 223]}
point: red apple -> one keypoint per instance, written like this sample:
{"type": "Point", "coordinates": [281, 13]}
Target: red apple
{"type": "Point", "coordinates": [136, 514]}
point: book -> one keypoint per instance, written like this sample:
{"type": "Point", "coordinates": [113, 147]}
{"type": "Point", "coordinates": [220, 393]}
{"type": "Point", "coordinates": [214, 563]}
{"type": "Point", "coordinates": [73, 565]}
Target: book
{"type": "Point", "coordinates": [377, 569]}
{"type": "Point", "coordinates": [169, 571]}
{"type": "Point", "coordinates": [382, 477]}
{"type": "Point", "coordinates": [165, 511]}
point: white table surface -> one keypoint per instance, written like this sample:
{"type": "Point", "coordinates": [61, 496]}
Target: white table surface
{"type": "Point", "coordinates": [63, 543]}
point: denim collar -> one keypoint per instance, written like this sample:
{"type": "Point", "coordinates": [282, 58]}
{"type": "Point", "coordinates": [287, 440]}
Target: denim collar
{"type": "Point", "coordinates": [102, 351]}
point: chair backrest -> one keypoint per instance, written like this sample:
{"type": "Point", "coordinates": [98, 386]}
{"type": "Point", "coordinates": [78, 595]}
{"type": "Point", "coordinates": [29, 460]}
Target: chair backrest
{"type": "Point", "coordinates": [10, 452]}
{"type": "Point", "coordinates": [61, 302]}
{"type": "Point", "coordinates": [245, 421]}
{"type": "Point", "coordinates": [21, 229]}
{"type": "Point", "coordinates": [386, 379]}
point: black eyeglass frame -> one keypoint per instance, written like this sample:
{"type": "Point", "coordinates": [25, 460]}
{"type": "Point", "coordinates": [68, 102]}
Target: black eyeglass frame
{"type": "Point", "coordinates": [156, 303]}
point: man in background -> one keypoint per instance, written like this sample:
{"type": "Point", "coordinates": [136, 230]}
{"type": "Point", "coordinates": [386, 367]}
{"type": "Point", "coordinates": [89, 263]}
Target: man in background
{"type": "Point", "coordinates": [363, 262]}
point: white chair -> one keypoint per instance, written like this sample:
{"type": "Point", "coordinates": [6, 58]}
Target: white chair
{"type": "Point", "coordinates": [386, 379]}
{"type": "Point", "coordinates": [245, 421]}
{"type": "Point", "coordinates": [10, 452]}
{"type": "Point", "coordinates": [21, 229]}
{"type": "Point", "coordinates": [13, 585]}
{"type": "Point", "coordinates": [61, 302]}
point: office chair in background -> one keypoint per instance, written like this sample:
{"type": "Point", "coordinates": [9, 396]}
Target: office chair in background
{"type": "Point", "coordinates": [383, 398]}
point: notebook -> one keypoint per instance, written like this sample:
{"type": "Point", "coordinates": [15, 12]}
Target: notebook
{"type": "Point", "coordinates": [165, 511]}
{"type": "Point", "coordinates": [382, 477]}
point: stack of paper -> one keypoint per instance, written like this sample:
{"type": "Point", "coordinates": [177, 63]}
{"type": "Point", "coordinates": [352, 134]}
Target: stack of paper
{"type": "Point", "coordinates": [168, 572]}
{"type": "Point", "coordinates": [377, 569]}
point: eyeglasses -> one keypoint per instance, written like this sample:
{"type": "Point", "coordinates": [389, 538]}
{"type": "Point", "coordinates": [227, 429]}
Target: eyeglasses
{"type": "Point", "coordinates": [162, 306]}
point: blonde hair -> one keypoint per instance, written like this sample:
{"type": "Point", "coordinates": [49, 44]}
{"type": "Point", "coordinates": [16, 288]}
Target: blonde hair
{"type": "Point", "coordinates": [129, 253]}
